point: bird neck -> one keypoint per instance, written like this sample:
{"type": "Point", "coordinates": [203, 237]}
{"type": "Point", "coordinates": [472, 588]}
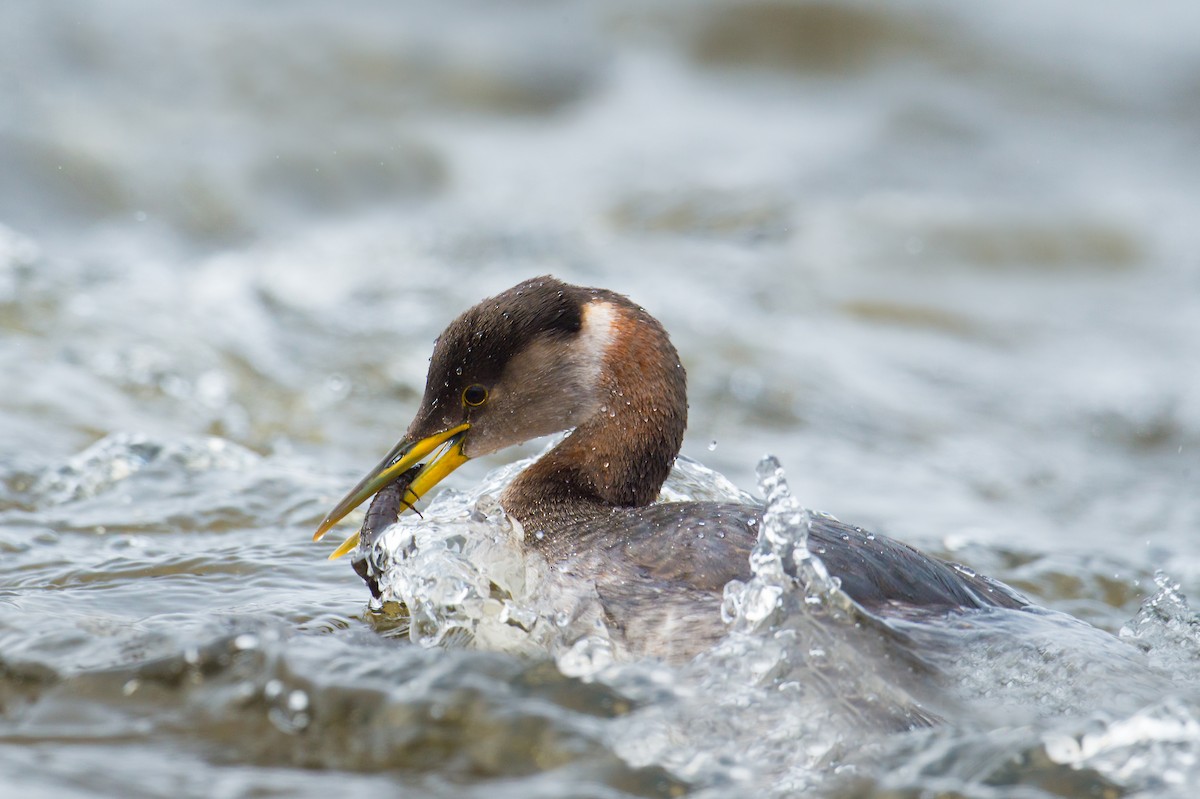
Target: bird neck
{"type": "Point", "coordinates": [621, 454]}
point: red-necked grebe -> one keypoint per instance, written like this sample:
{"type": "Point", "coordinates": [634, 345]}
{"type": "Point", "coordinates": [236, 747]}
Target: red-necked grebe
{"type": "Point", "coordinates": [545, 357]}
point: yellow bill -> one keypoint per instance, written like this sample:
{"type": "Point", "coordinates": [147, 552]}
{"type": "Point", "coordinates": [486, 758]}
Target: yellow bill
{"type": "Point", "coordinates": [406, 454]}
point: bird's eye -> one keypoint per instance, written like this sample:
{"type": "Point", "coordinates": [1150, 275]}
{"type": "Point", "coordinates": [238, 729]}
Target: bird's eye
{"type": "Point", "coordinates": [474, 395]}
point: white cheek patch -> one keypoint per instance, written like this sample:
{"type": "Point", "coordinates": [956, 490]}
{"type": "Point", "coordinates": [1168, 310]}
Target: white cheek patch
{"type": "Point", "coordinates": [596, 335]}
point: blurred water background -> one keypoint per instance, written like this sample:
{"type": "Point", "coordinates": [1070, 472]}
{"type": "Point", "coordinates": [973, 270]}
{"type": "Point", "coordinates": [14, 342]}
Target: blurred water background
{"type": "Point", "coordinates": [942, 260]}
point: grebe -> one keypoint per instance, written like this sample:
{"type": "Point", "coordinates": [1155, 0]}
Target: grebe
{"type": "Point", "coordinates": [545, 357]}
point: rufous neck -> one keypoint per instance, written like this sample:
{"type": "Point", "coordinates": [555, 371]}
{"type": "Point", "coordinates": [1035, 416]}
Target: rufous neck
{"type": "Point", "coordinates": [622, 453]}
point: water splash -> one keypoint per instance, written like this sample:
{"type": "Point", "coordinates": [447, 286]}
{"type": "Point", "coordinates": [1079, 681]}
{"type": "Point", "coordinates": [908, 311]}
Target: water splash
{"type": "Point", "coordinates": [1155, 749]}
{"type": "Point", "coordinates": [1166, 628]}
{"type": "Point", "coordinates": [780, 562]}
{"type": "Point", "coordinates": [115, 458]}
{"type": "Point", "coordinates": [462, 575]}
{"type": "Point", "coordinates": [454, 573]}
{"type": "Point", "coordinates": [802, 676]}
{"type": "Point", "coordinates": [691, 480]}
{"type": "Point", "coordinates": [806, 686]}
{"type": "Point", "coordinates": [1056, 706]}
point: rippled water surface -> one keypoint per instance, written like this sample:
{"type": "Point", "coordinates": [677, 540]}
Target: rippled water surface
{"type": "Point", "coordinates": [941, 261]}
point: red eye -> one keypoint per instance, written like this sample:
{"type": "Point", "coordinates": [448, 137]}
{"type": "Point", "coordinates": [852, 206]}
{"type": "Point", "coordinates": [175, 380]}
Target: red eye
{"type": "Point", "coordinates": [474, 395]}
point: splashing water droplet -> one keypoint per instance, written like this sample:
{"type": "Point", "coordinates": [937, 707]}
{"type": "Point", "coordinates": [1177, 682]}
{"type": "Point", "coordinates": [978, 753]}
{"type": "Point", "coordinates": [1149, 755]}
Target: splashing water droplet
{"type": "Point", "coordinates": [760, 601]}
{"type": "Point", "coordinates": [586, 657]}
